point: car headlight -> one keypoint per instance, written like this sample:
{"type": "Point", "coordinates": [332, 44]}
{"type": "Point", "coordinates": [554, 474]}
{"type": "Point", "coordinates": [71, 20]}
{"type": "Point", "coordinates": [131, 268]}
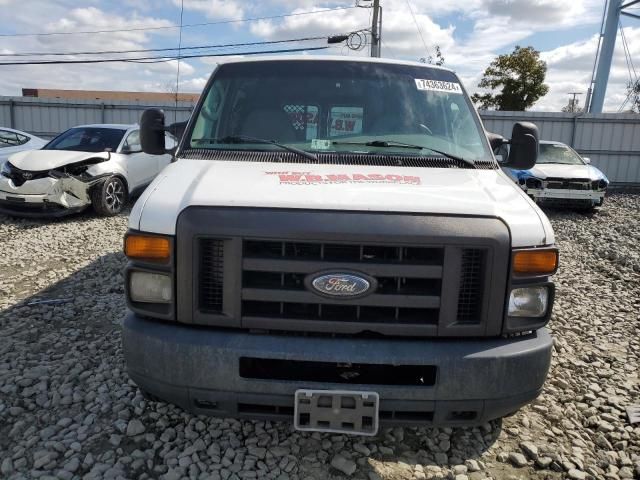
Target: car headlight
{"type": "Point", "coordinates": [599, 184]}
{"type": "Point", "coordinates": [146, 287]}
{"type": "Point", "coordinates": [531, 302]}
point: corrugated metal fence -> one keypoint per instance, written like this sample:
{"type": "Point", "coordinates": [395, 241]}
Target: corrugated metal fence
{"type": "Point", "coordinates": [612, 141]}
{"type": "Point", "coordinates": [46, 117]}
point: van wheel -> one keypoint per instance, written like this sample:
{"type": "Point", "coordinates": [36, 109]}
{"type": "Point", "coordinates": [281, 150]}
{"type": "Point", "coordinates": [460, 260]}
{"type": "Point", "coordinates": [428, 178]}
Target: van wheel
{"type": "Point", "coordinates": [109, 197]}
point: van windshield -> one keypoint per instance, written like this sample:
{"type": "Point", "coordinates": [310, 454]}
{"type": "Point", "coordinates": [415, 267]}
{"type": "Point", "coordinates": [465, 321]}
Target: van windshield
{"type": "Point", "coordinates": [338, 106]}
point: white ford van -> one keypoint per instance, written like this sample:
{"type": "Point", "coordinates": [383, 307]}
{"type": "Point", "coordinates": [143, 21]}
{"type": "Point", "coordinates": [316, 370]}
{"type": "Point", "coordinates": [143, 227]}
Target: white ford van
{"type": "Point", "coordinates": [336, 245]}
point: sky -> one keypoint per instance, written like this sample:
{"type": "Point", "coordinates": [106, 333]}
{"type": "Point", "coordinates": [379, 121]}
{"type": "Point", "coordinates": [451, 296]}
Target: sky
{"type": "Point", "coordinates": [470, 34]}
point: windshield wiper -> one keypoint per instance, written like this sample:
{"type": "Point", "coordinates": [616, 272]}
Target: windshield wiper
{"type": "Point", "coordinates": [247, 139]}
{"type": "Point", "coordinates": [393, 143]}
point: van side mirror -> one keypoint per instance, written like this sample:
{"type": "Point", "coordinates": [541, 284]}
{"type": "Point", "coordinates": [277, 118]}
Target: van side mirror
{"type": "Point", "coordinates": [496, 141]}
{"type": "Point", "coordinates": [524, 146]}
{"type": "Point", "coordinates": [152, 131]}
{"type": "Point", "coordinates": [177, 129]}
{"type": "Point", "coordinates": [587, 160]}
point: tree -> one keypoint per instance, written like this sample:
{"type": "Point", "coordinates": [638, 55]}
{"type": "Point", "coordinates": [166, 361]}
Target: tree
{"type": "Point", "coordinates": [520, 78]}
{"type": "Point", "coordinates": [436, 59]}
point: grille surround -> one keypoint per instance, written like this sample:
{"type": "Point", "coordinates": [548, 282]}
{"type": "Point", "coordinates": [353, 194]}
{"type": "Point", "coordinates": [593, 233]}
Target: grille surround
{"type": "Point", "coordinates": [233, 225]}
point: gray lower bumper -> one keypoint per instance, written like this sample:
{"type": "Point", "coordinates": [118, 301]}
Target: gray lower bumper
{"type": "Point", "coordinates": [198, 369]}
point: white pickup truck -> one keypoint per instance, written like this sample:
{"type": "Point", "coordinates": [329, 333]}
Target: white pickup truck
{"type": "Point", "coordinates": [335, 244]}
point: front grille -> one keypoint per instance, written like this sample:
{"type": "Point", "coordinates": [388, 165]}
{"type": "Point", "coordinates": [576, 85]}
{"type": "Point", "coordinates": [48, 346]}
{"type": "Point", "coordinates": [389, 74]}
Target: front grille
{"type": "Point", "coordinates": [19, 176]}
{"type": "Point", "coordinates": [211, 275]}
{"type": "Point", "coordinates": [408, 292]}
{"type": "Point", "coordinates": [569, 183]}
{"type": "Point", "coordinates": [253, 269]}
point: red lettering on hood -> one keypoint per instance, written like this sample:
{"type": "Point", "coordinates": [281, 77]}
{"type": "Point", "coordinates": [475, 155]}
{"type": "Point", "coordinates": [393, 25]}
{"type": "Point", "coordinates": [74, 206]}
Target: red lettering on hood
{"type": "Point", "coordinates": [308, 178]}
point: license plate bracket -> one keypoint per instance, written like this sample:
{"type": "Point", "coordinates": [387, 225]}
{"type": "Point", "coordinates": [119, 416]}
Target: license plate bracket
{"type": "Point", "coordinates": [336, 411]}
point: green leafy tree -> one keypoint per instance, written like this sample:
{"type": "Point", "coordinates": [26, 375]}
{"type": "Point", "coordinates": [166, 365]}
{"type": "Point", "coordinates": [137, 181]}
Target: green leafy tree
{"type": "Point", "coordinates": [519, 77]}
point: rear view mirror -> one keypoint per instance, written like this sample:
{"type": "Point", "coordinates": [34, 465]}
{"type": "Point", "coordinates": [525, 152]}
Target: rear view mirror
{"type": "Point", "coordinates": [587, 160]}
{"type": "Point", "coordinates": [152, 131]}
{"type": "Point", "coordinates": [524, 146]}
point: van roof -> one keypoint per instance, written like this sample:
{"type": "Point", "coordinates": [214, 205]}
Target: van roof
{"type": "Point", "coordinates": [324, 58]}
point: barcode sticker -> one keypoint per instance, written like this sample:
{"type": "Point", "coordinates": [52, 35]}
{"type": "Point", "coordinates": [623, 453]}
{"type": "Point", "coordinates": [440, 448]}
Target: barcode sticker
{"type": "Point", "coordinates": [438, 86]}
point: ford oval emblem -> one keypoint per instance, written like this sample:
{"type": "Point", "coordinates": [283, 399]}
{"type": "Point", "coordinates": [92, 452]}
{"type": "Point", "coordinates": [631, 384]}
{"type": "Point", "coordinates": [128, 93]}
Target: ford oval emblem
{"type": "Point", "coordinates": [341, 284]}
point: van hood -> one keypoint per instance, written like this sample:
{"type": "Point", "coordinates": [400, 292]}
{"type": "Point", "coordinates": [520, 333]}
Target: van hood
{"type": "Point", "coordinates": [440, 191]}
{"type": "Point", "coordinates": [43, 160]}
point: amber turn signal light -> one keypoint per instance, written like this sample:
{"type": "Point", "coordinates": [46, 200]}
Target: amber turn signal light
{"type": "Point", "coordinates": [145, 247]}
{"type": "Point", "coordinates": [535, 262]}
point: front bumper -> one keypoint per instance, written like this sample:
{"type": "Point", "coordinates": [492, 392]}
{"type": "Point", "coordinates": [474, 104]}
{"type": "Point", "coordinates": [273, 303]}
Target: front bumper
{"type": "Point", "coordinates": [50, 197]}
{"type": "Point", "coordinates": [199, 369]}
{"type": "Point", "coordinates": [594, 197]}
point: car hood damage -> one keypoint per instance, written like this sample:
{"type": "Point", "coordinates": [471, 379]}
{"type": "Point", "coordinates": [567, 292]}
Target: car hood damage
{"type": "Point", "coordinates": [45, 160]}
{"type": "Point", "coordinates": [556, 170]}
{"type": "Point", "coordinates": [51, 177]}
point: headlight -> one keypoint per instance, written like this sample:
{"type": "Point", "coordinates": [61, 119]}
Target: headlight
{"type": "Point", "coordinates": [148, 287]}
{"type": "Point", "coordinates": [599, 185]}
{"type": "Point", "coordinates": [529, 302]}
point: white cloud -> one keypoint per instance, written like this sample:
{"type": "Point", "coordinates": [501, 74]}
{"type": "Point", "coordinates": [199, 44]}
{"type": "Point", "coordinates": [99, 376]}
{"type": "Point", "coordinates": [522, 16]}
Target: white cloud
{"type": "Point", "coordinates": [485, 29]}
{"type": "Point", "coordinates": [105, 76]}
{"type": "Point", "coordinates": [228, 9]}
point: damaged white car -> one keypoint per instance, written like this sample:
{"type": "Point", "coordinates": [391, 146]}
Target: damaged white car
{"type": "Point", "coordinates": [92, 165]}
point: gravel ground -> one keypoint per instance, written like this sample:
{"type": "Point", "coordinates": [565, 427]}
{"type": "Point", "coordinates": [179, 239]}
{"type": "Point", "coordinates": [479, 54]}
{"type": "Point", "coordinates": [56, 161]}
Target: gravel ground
{"type": "Point", "coordinates": [68, 410]}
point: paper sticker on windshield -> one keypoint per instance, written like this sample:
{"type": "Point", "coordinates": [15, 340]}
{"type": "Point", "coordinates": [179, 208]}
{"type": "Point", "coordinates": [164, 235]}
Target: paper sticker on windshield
{"type": "Point", "coordinates": [438, 86]}
{"type": "Point", "coordinates": [320, 144]}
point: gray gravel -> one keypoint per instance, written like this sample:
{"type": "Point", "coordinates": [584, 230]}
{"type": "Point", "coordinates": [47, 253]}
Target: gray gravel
{"type": "Point", "coordinates": [68, 409]}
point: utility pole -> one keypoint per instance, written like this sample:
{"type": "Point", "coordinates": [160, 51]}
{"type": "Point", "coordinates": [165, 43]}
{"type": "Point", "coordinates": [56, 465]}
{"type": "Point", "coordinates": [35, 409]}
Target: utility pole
{"type": "Point", "coordinates": [376, 29]}
{"type": "Point", "coordinates": [573, 102]}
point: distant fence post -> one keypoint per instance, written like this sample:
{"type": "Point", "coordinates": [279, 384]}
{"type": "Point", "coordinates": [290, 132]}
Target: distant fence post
{"type": "Point", "coordinates": [12, 120]}
{"type": "Point", "coordinates": [102, 113]}
{"type": "Point", "coordinates": [573, 130]}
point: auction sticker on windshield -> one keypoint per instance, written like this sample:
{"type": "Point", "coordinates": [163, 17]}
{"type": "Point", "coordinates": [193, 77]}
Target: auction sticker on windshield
{"type": "Point", "coordinates": [438, 86]}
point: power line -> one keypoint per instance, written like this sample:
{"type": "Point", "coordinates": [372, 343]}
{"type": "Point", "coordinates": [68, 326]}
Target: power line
{"type": "Point", "coordinates": [168, 27]}
{"type": "Point", "coordinates": [159, 59]}
{"type": "Point", "coordinates": [148, 50]}
{"type": "Point", "coordinates": [627, 54]}
{"type": "Point", "coordinates": [426, 49]}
